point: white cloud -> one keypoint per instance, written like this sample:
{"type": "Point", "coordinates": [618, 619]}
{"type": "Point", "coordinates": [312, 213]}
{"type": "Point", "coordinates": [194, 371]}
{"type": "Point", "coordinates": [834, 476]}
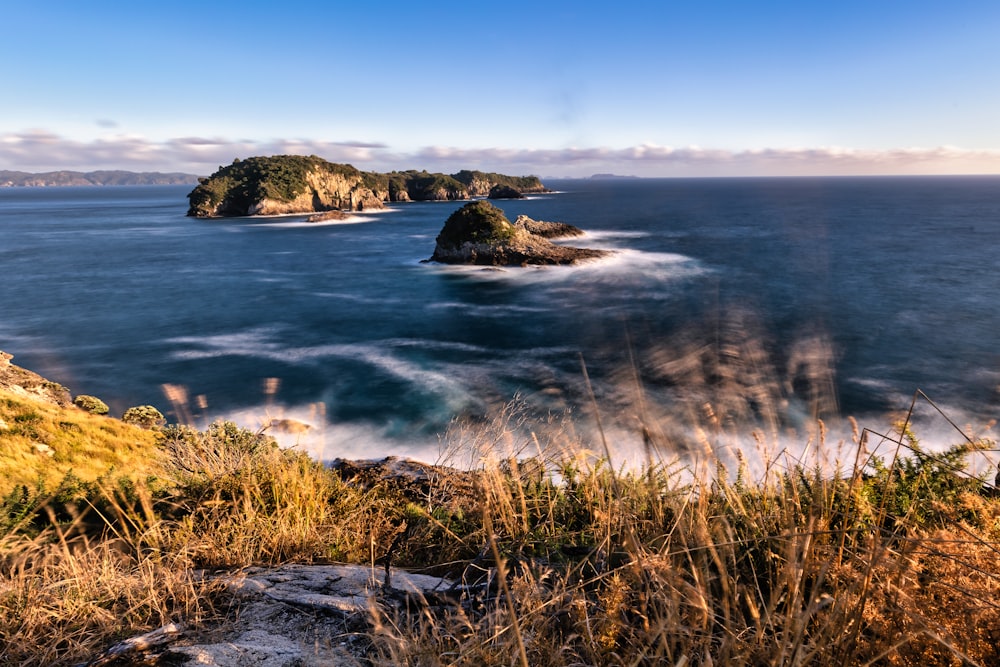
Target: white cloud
{"type": "Point", "coordinates": [41, 150]}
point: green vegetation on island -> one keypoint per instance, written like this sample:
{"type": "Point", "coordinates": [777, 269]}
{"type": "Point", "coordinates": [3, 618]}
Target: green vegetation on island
{"type": "Point", "coordinates": [476, 222]}
{"type": "Point", "coordinates": [307, 184]}
{"type": "Point", "coordinates": [237, 188]}
{"type": "Point", "coordinates": [480, 233]}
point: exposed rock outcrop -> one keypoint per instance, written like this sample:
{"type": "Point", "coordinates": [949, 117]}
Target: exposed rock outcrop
{"type": "Point", "coordinates": [294, 615]}
{"type": "Point", "coordinates": [23, 382]}
{"type": "Point", "coordinates": [548, 230]}
{"type": "Point", "coordinates": [504, 192]}
{"type": "Point", "coordinates": [479, 183]}
{"type": "Point", "coordinates": [412, 479]}
{"type": "Point", "coordinates": [327, 215]}
{"type": "Point", "coordinates": [479, 233]}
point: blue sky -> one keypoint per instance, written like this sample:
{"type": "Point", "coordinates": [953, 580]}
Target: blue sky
{"type": "Point", "coordinates": [551, 88]}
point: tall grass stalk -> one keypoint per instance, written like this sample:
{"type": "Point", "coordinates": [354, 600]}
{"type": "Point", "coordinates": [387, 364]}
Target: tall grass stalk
{"type": "Point", "coordinates": [657, 566]}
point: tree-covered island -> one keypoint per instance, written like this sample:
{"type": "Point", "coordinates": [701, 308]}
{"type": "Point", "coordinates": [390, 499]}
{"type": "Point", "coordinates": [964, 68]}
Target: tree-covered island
{"type": "Point", "coordinates": [284, 184]}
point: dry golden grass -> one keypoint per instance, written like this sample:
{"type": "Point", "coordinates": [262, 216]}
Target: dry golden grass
{"type": "Point", "coordinates": [64, 604]}
{"type": "Point", "coordinates": [282, 507]}
{"type": "Point", "coordinates": [40, 442]}
{"type": "Point", "coordinates": [67, 594]}
{"type": "Point", "coordinates": [568, 560]}
{"type": "Point", "coordinates": [645, 568]}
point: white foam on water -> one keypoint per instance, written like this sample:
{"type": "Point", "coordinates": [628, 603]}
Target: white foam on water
{"type": "Point", "coordinates": [443, 384]}
{"type": "Point", "coordinates": [357, 298]}
{"type": "Point", "coordinates": [326, 441]}
{"type": "Point", "coordinates": [485, 311]}
{"type": "Point", "coordinates": [694, 450]}
{"type": "Point", "coordinates": [428, 344]}
{"type": "Point", "coordinates": [621, 263]}
{"type": "Point", "coordinates": [295, 224]}
{"type": "Point", "coordinates": [256, 342]}
{"type": "Point", "coordinates": [606, 234]}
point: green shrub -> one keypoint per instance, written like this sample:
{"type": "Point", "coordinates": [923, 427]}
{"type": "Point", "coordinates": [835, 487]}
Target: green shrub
{"type": "Point", "coordinates": [91, 404]}
{"type": "Point", "coordinates": [476, 222]}
{"type": "Point", "coordinates": [144, 416]}
{"type": "Point", "coordinates": [222, 449]}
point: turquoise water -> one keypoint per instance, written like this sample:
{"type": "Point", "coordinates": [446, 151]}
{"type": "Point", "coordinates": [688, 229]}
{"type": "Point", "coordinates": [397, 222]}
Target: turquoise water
{"type": "Point", "coordinates": [741, 303]}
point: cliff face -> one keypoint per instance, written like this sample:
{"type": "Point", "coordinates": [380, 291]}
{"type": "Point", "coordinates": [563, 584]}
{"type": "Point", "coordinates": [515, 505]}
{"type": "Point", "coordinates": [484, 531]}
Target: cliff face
{"type": "Point", "coordinates": [287, 184]}
{"type": "Point", "coordinates": [480, 183]}
{"type": "Point", "coordinates": [284, 184]}
{"type": "Point", "coordinates": [325, 191]}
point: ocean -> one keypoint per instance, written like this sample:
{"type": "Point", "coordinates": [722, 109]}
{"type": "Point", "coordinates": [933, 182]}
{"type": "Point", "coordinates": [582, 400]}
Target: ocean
{"type": "Point", "coordinates": [733, 311]}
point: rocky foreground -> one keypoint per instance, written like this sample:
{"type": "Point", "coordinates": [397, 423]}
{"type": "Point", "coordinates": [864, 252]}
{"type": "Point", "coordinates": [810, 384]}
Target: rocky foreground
{"type": "Point", "coordinates": [22, 382]}
{"type": "Point", "coordinates": [480, 234]}
{"type": "Point", "coordinates": [289, 616]}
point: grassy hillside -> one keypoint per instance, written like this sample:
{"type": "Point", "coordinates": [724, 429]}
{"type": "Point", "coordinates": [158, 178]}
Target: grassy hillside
{"type": "Point", "coordinates": [41, 442]}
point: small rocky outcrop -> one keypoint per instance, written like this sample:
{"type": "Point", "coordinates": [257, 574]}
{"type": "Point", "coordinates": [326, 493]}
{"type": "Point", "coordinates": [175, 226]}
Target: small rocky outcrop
{"type": "Point", "coordinates": [479, 233]}
{"type": "Point", "coordinates": [547, 230]}
{"type": "Point", "coordinates": [23, 382]}
{"type": "Point", "coordinates": [504, 192]}
{"type": "Point", "coordinates": [327, 215]}
{"type": "Point", "coordinates": [411, 479]}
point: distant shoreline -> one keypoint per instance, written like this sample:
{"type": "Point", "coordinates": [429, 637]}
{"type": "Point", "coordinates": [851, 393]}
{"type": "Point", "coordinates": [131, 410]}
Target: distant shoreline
{"type": "Point", "coordinates": [65, 178]}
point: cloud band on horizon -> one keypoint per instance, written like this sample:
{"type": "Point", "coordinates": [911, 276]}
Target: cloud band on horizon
{"type": "Point", "coordinates": [40, 150]}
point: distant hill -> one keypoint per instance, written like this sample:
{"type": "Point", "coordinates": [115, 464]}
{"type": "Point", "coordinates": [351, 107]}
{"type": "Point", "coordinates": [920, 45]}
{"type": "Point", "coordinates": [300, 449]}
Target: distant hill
{"type": "Point", "coordinates": [611, 177]}
{"type": "Point", "coordinates": [11, 179]}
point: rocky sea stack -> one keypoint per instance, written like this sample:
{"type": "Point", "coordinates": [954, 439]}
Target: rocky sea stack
{"type": "Point", "coordinates": [479, 233]}
{"type": "Point", "coordinates": [291, 184]}
{"type": "Point", "coordinates": [505, 192]}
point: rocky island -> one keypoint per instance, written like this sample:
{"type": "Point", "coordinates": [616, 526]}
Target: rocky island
{"type": "Point", "coordinates": [285, 184]}
{"type": "Point", "coordinates": [479, 233]}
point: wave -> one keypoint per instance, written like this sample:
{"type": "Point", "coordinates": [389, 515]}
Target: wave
{"type": "Point", "coordinates": [295, 224]}
{"type": "Point", "coordinates": [486, 311]}
{"type": "Point", "coordinates": [621, 264]}
{"type": "Point", "coordinates": [252, 342]}
{"type": "Point", "coordinates": [614, 234]}
{"type": "Point", "coordinates": [428, 344]}
{"type": "Point", "coordinates": [259, 344]}
{"type": "Point", "coordinates": [326, 440]}
{"type": "Point", "coordinates": [357, 298]}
